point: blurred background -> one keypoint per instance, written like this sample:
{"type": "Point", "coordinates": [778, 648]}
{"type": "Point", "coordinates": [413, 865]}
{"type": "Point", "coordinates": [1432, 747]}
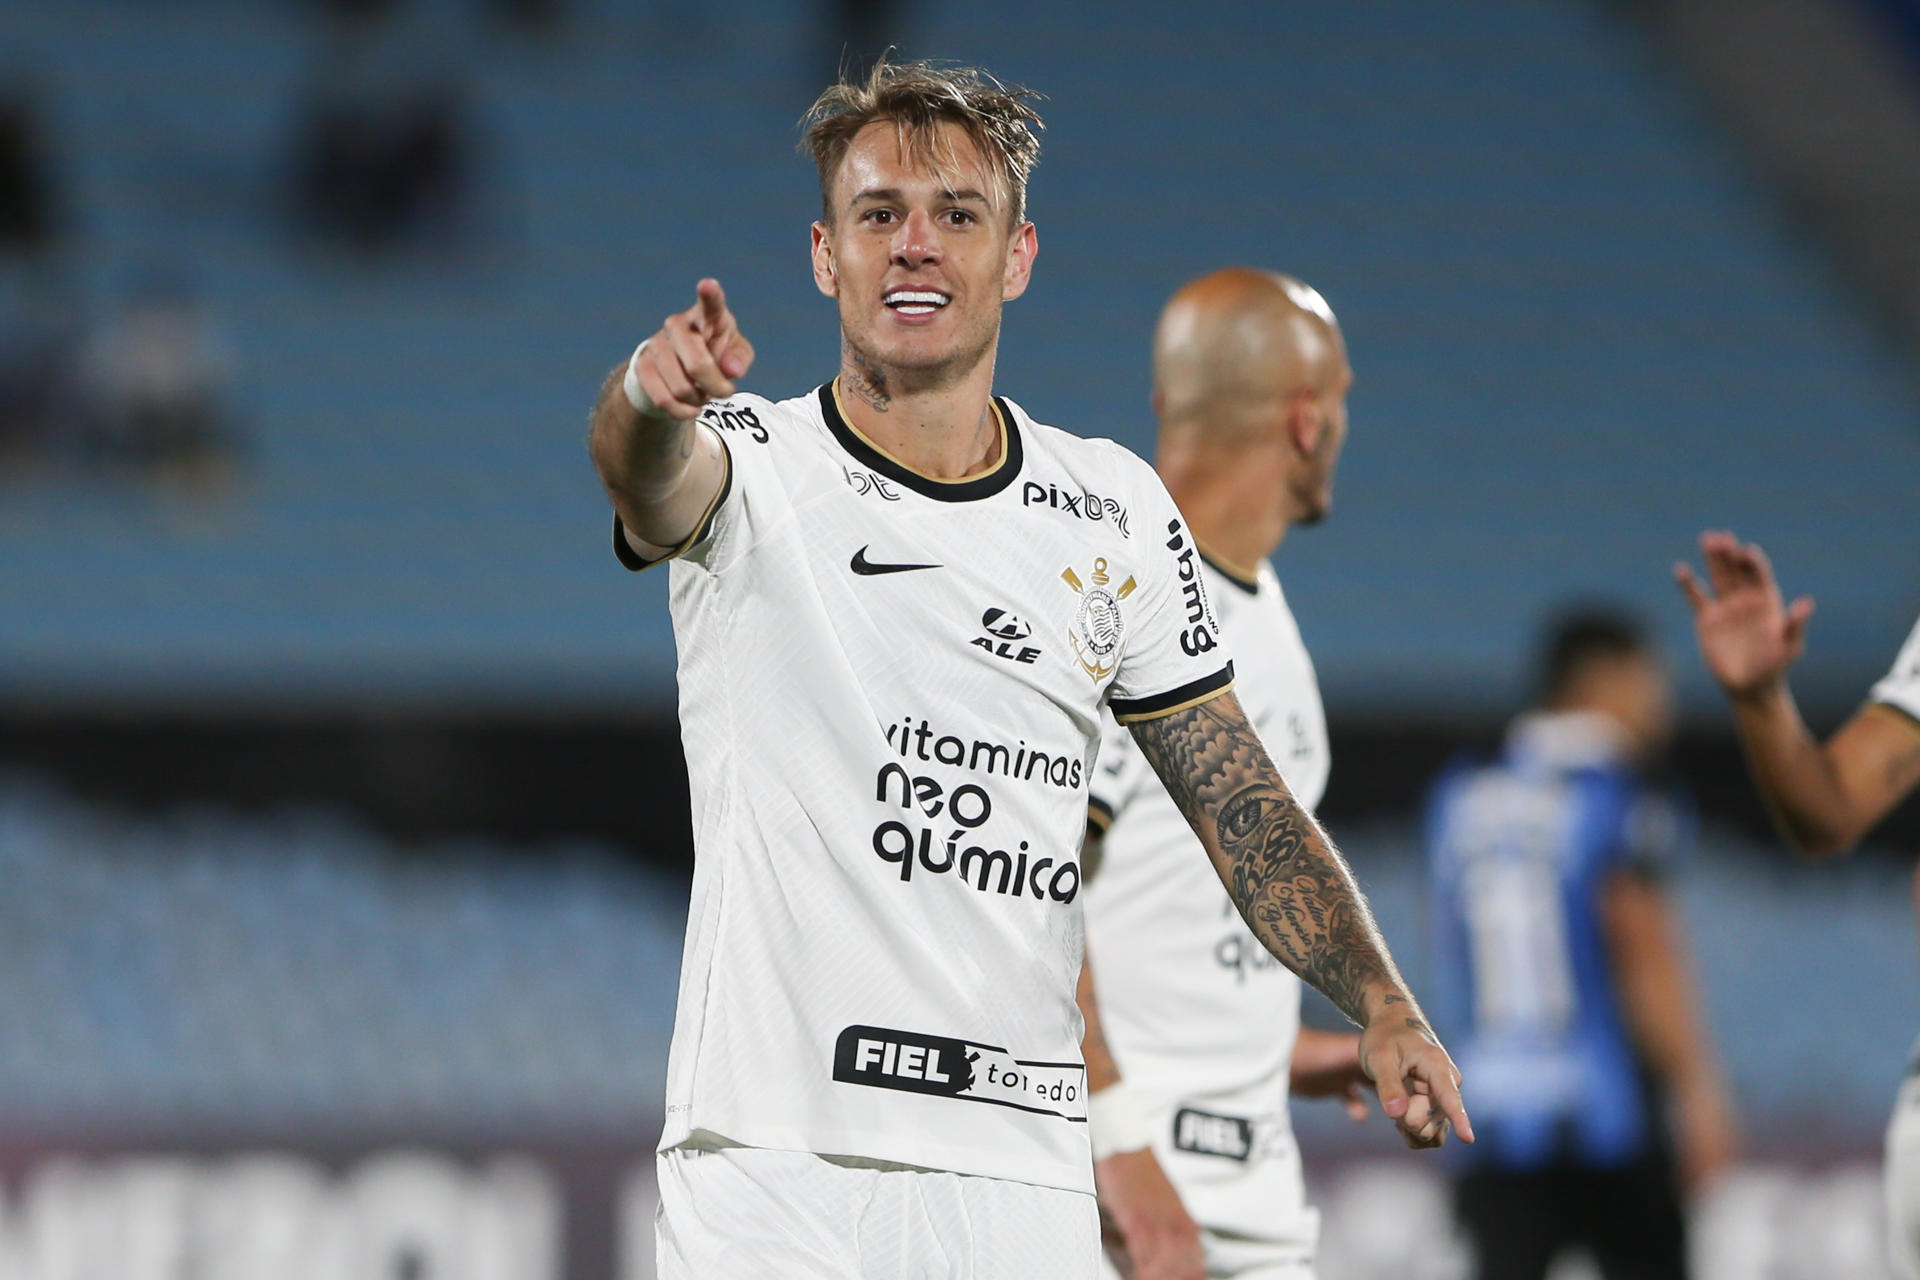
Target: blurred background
{"type": "Point", "coordinates": [343, 833]}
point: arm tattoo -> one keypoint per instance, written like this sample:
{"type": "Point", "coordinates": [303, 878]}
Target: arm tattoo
{"type": "Point", "coordinates": [1288, 881]}
{"type": "Point", "coordinates": [650, 442]}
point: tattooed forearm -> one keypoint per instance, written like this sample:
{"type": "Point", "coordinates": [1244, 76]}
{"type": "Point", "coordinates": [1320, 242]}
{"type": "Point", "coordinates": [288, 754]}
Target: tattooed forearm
{"type": "Point", "coordinates": [635, 454]}
{"type": "Point", "coordinates": [1288, 881]}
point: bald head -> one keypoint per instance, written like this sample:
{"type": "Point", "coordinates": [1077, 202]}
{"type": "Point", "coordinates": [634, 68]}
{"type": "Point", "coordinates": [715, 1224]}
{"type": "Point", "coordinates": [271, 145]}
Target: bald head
{"type": "Point", "coordinates": [1235, 343]}
{"type": "Point", "coordinates": [1250, 380]}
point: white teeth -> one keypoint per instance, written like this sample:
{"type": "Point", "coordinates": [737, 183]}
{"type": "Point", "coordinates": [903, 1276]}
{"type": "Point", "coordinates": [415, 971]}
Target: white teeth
{"type": "Point", "coordinates": [916, 302]}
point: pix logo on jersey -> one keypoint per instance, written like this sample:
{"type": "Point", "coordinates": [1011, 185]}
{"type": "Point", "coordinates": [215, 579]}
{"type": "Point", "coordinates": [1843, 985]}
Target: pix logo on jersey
{"type": "Point", "coordinates": [1005, 629]}
{"type": "Point", "coordinates": [1098, 626]}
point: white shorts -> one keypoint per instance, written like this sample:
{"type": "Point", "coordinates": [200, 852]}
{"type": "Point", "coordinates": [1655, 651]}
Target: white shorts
{"type": "Point", "coordinates": [1902, 1180]}
{"type": "Point", "coordinates": [1235, 1258]}
{"type": "Point", "coordinates": [744, 1213]}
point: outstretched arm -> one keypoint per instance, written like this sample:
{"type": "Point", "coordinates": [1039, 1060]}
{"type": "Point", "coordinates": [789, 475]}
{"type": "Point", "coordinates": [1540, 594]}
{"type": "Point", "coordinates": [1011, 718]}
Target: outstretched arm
{"type": "Point", "coordinates": [1823, 796]}
{"type": "Point", "coordinates": [660, 467]}
{"type": "Point", "coordinates": [1297, 894]}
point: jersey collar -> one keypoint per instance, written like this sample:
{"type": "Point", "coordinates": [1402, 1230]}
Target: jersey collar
{"type": "Point", "coordinates": [1247, 582]}
{"type": "Point", "coordinates": [966, 489]}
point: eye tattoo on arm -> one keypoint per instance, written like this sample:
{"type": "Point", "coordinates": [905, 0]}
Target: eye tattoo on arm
{"type": "Point", "coordinates": [1289, 883]}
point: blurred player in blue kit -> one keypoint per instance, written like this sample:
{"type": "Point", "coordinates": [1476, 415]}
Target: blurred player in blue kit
{"type": "Point", "coordinates": [1564, 978]}
{"type": "Point", "coordinates": [1823, 795]}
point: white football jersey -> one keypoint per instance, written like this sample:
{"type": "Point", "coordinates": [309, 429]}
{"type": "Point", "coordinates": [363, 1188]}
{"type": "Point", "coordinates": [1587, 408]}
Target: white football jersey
{"type": "Point", "coordinates": [1900, 689]}
{"type": "Point", "coordinates": [890, 697]}
{"type": "Point", "coordinates": [1201, 1019]}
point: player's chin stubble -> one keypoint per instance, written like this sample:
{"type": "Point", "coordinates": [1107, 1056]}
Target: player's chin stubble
{"type": "Point", "coordinates": [885, 379]}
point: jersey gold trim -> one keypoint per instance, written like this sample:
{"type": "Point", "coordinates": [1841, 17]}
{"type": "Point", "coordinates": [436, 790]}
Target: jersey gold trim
{"type": "Point", "coordinates": [634, 561]}
{"type": "Point", "coordinates": [1247, 582]}
{"type": "Point", "coordinates": [1099, 814]}
{"type": "Point", "coordinates": [1191, 694]}
{"type": "Point", "coordinates": [982, 484]}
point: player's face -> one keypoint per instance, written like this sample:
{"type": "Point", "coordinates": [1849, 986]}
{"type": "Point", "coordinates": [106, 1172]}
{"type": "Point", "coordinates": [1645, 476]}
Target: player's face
{"type": "Point", "coordinates": [919, 260]}
{"type": "Point", "coordinates": [1316, 492]}
{"type": "Point", "coordinates": [1634, 690]}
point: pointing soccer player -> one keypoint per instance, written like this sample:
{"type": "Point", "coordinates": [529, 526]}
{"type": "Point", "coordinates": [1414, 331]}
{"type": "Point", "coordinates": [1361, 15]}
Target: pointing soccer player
{"type": "Point", "coordinates": [1193, 1030]}
{"type": "Point", "coordinates": [1823, 795]}
{"type": "Point", "coordinates": [901, 605]}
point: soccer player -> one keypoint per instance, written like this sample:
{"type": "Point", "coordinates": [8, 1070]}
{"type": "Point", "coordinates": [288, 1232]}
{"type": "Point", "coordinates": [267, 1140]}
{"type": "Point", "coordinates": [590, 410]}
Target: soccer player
{"type": "Point", "coordinates": [900, 606]}
{"type": "Point", "coordinates": [1564, 974]}
{"type": "Point", "coordinates": [1823, 795]}
{"type": "Point", "coordinates": [1193, 1029]}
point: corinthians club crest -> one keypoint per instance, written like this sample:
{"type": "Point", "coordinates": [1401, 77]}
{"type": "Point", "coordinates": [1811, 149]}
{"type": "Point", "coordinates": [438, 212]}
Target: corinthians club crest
{"type": "Point", "coordinates": [1097, 626]}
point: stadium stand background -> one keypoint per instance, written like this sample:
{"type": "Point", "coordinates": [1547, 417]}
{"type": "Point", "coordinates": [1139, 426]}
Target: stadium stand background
{"type": "Point", "coordinates": [343, 807]}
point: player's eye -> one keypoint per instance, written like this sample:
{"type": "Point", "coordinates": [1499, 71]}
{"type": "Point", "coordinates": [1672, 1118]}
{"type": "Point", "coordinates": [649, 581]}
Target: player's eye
{"type": "Point", "coordinates": [959, 217]}
{"type": "Point", "coordinates": [879, 217]}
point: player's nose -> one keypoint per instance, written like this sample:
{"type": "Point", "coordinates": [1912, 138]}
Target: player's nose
{"type": "Point", "coordinates": [917, 243]}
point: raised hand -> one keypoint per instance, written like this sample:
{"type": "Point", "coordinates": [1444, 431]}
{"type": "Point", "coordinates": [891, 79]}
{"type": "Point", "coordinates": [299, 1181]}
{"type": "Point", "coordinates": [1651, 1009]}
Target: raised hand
{"type": "Point", "coordinates": [696, 356]}
{"type": "Point", "coordinates": [1747, 635]}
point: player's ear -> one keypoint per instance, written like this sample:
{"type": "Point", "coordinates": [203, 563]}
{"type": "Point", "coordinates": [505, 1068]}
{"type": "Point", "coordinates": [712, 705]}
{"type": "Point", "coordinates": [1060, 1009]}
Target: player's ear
{"type": "Point", "coordinates": [1020, 254]}
{"type": "Point", "coordinates": [824, 276]}
{"type": "Point", "coordinates": [1305, 421]}
{"type": "Point", "coordinates": [1157, 401]}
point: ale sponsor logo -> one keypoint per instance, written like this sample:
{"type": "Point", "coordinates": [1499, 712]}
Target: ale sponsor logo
{"type": "Point", "coordinates": [1004, 633]}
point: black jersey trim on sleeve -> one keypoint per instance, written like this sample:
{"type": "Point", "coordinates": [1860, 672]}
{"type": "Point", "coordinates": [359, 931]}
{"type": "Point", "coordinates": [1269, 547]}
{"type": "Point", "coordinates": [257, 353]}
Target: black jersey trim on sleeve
{"type": "Point", "coordinates": [1099, 814]}
{"type": "Point", "coordinates": [633, 560]}
{"type": "Point", "coordinates": [1190, 694]}
{"type": "Point", "coordinates": [967, 489]}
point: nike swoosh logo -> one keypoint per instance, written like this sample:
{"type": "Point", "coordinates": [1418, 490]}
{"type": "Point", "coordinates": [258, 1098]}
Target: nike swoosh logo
{"type": "Point", "coordinates": [862, 565]}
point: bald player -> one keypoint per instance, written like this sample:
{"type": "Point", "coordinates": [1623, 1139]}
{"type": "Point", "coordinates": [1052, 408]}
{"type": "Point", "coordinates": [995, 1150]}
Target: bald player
{"type": "Point", "coordinates": [1193, 1043]}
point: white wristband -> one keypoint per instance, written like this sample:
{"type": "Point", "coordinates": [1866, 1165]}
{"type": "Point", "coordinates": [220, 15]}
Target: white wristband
{"type": "Point", "coordinates": [636, 394]}
{"type": "Point", "coordinates": [1116, 1121]}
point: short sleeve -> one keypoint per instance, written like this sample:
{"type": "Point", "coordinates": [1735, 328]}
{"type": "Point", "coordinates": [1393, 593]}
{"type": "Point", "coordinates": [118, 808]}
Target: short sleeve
{"type": "Point", "coordinates": [702, 533]}
{"type": "Point", "coordinates": [1174, 655]}
{"type": "Point", "coordinates": [1116, 775]}
{"type": "Point", "coordinates": [1900, 689]}
{"type": "Point", "coordinates": [1655, 830]}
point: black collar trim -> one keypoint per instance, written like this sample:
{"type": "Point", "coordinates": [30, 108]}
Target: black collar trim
{"type": "Point", "coordinates": [969, 489]}
{"type": "Point", "coordinates": [1249, 585]}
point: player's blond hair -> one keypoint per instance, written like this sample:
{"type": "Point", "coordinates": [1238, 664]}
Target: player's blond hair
{"type": "Point", "coordinates": [916, 97]}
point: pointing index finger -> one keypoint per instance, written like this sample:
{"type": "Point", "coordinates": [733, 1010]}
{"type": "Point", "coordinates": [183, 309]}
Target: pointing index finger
{"type": "Point", "coordinates": [1446, 1092]}
{"type": "Point", "coordinates": [713, 305]}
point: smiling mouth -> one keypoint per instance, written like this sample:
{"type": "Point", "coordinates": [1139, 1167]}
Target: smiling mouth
{"type": "Point", "coordinates": [915, 302]}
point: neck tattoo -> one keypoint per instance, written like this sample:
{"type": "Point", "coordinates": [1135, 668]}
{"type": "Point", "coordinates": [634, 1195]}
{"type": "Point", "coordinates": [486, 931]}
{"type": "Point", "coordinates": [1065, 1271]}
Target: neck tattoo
{"type": "Point", "coordinates": [864, 382]}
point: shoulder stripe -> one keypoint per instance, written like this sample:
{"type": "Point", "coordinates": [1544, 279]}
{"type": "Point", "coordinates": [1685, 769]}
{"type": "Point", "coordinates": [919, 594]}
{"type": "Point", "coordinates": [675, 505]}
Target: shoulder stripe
{"type": "Point", "coordinates": [1191, 694]}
